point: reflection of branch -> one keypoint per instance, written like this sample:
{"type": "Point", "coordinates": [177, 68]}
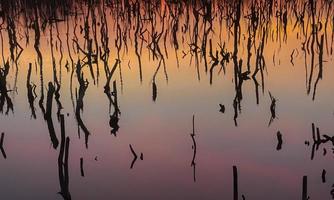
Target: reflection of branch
{"type": "Point", "coordinates": [194, 147]}
{"type": "Point", "coordinates": [63, 162]}
{"type": "Point", "coordinates": [154, 85]}
{"type": "Point", "coordinates": [112, 97]}
{"type": "Point", "coordinates": [318, 140]}
{"type": "Point", "coordinates": [256, 84]}
{"type": "Point", "coordinates": [114, 118]}
{"type": "Point", "coordinates": [4, 98]}
{"type": "Point", "coordinates": [321, 51]}
{"type": "Point", "coordinates": [1, 145]}
{"type": "Point", "coordinates": [81, 167]}
{"type": "Point", "coordinates": [135, 156]}
{"type": "Point", "coordinates": [15, 47]}
{"type": "Point", "coordinates": [83, 85]}
{"type": "Point", "coordinates": [272, 109]}
{"type": "Point", "coordinates": [48, 115]}
{"type": "Point", "coordinates": [138, 26]}
{"type": "Point", "coordinates": [31, 94]}
{"type": "Point", "coordinates": [214, 63]}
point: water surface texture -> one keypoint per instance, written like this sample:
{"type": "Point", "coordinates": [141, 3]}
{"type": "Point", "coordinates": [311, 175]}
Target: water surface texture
{"type": "Point", "coordinates": [129, 99]}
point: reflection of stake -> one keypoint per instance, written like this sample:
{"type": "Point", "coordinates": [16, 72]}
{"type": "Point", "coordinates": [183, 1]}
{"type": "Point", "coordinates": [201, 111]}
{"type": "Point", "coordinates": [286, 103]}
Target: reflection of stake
{"type": "Point", "coordinates": [323, 176]}
{"type": "Point", "coordinates": [280, 141]}
{"type": "Point", "coordinates": [194, 147]}
{"type": "Point", "coordinates": [63, 161]}
{"type": "Point", "coordinates": [304, 194]}
{"type": "Point", "coordinates": [1, 145]}
{"type": "Point", "coordinates": [235, 183]}
{"type": "Point", "coordinates": [81, 168]}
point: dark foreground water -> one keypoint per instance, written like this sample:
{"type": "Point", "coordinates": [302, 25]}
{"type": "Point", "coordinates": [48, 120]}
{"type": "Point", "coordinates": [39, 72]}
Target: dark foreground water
{"type": "Point", "coordinates": [166, 100]}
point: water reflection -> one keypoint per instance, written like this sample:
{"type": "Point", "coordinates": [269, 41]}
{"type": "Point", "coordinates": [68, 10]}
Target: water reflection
{"type": "Point", "coordinates": [319, 140]}
{"type": "Point", "coordinates": [1, 145]}
{"type": "Point", "coordinates": [48, 115]}
{"type": "Point", "coordinates": [186, 56]}
{"type": "Point", "coordinates": [112, 97]}
{"type": "Point", "coordinates": [63, 162]}
{"type": "Point", "coordinates": [80, 94]}
{"type": "Point", "coordinates": [135, 156]}
{"type": "Point", "coordinates": [4, 98]}
{"type": "Point", "coordinates": [194, 147]}
{"type": "Point", "coordinates": [31, 88]}
{"type": "Point", "coordinates": [272, 109]}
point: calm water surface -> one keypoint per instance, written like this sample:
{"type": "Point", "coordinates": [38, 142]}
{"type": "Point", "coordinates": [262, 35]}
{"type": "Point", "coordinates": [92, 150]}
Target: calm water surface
{"type": "Point", "coordinates": [135, 73]}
